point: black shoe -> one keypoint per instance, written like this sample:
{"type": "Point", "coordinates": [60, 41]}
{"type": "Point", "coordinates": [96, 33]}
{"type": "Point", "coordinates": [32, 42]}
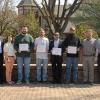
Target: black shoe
{"type": "Point", "coordinates": [85, 82]}
{"type": "Point", "coordinates": [67, 82]}
{"type": "Point", "coordinates": [38, 81]}
{"type": "Point", "coordinates": [58, 82]}
{"type": "Point", "coordinates": [1, 82]}
{"type": "Point", "coordinates": [75, 82]}
{"type": "Point", "coordinates": [54, 82]}
{"type": "Point", "coordinates": [44, 82]}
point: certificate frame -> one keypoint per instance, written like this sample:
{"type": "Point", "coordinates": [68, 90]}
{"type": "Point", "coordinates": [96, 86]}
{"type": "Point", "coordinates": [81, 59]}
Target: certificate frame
{"type": "Point", "coordinates": [41, 48]}
{"type": "Point", "coordinates": [24, 47]}
{"type": "Point", "coordinates": [72, 50]}
{"type": "Point", "coordinates": [57, 51]}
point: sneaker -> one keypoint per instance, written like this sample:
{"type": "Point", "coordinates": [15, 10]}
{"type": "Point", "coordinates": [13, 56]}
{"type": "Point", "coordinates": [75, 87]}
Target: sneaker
{"type": "Point", "coordinates": [45, 82]}
{"type": "Point", "coordinates": [13, 82]}
{"type": "Point", "coordinates": [19, 82]}
{"type": "Point", "coordinates": [91, 83]}
{"type": "Point", "coordinates": [27, 82]}
{"type": "Point", "coordinates": [10, 82]}
{"type": "Point", "coordinates": [75, 82]}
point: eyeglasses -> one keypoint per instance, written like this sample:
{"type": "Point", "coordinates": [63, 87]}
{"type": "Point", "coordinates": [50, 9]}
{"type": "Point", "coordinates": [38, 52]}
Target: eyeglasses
{"type": "Point", "coordinates": [56, 35]}
{"type": "Point", "coordinates": [41, 31]}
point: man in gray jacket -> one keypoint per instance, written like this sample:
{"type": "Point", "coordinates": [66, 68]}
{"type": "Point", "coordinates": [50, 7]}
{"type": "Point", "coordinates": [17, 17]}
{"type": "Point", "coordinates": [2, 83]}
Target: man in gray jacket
{"type": "Point", "coordinates": [88, 51]}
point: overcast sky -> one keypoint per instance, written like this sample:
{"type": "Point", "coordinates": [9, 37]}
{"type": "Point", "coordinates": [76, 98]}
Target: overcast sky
{"type": "Point", "coordinates": [17, 1]}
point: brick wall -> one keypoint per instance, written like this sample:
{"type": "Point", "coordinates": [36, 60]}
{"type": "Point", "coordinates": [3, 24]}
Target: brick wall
{"type": "Point", "coordinates": [33, 71]}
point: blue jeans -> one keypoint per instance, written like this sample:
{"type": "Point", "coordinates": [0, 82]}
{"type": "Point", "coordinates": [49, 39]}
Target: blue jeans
{"type": "Point", "coordinates": [72, 62]}
{"type": "Point", "coordinates": [26, 62]}
{"type": "Point", "coordinates": [42, 69]}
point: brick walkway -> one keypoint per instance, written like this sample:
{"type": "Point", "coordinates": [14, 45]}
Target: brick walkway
{"type": "Point", "coordinates": [50, 92]}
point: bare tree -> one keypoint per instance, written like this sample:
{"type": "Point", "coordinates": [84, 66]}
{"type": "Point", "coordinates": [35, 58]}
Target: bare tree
{"type": "Point", "coordinates": [7, 15]}
{"type": "Point", "coordinates": [59, 20]}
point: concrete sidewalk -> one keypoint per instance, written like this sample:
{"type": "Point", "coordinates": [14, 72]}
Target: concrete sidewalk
{"type": "Point", "coordinates": [50, 92]}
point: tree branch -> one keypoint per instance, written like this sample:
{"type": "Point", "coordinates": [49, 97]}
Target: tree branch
{"type": "Point", "coordinates": [39, 8]}
{"type": "Point", "coordinates": [71, 11]}
{"type": "Point", "coordinates": [64, 11]}
{"type": "Point", "coordinates": [47, 18]}
{"type": "Point", "coordinates": [58, 11]}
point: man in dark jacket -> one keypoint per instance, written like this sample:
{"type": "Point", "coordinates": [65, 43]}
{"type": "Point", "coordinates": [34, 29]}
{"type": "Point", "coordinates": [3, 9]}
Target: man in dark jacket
{"type": "Point", "coordinates": [23, 45]}
{"type": "Point", "coordinates": [56, 50]}
{"type": "Point", "coordinates": [1, 60]}
{"type": "Point", "coordinates": [72, 45]}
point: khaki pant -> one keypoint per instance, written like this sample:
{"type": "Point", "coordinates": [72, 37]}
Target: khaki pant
{"type": "Point", "coordinates": [88, 69]}
{"type": "Point", "coordinates": [9, 66]}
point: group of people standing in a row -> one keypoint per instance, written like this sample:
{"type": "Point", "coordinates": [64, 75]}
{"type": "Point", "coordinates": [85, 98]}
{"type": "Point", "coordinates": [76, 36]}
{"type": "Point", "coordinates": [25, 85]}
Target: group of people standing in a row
{"type": "Point", "coordinates": [20, 49]}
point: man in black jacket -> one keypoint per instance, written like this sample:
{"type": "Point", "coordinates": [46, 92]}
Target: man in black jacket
{"type": "Point", "coordinates": [1, 60]}
{"type": "Point", "coordinates": [72, 45]}
{"type": "Point", "coordinates": [56, 50]}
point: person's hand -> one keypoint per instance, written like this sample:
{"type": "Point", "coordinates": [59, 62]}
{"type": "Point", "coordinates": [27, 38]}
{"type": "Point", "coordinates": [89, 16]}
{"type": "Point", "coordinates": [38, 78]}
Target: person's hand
{"type": "Point", "coordinates": [28, 50]}
{"type": "Point", "coordinates": [5, 57]}
{"type": "Point", "coordinates": [66, 49]}
{"type": "Point", "coordinates": [80, 60]}
{"type": "Point", "coordinates": [8, 60]}
{"type": "Point", "coordinates": [19, 51]}
{"type": "Point", "coordinates": [15, 51]}
{"type": "Point", "coordinates": [95, 59]}
{"type": "Point", "coordinates": [14, 56]}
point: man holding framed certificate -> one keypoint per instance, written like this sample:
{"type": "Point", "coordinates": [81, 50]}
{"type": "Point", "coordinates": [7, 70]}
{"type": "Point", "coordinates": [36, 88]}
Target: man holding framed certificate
{"type": "Point", "coordinates": [72, 46]}
{"type": "Point", "coordinates": [41, 47]}
{"type": "Point", "coordinates": [23, 45]}
{"type": "Point", "coordinates": [56, 50]}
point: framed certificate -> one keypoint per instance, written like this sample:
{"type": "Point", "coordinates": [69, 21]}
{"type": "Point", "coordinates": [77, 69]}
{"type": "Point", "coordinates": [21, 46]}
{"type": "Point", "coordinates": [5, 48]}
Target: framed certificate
{"type": "Point", "coordinates": [41, 48]}
{"type": "Point", "coordinates": [56, 51]}
{"type": "Point", "coordinates": [72, 50]}
{"type": "Point", "coordinates": [23, 47]}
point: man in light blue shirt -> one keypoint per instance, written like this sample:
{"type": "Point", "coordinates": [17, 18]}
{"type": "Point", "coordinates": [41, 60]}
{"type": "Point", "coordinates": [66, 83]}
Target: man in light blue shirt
{"type": "Point", "coordinates": [41, 47]}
